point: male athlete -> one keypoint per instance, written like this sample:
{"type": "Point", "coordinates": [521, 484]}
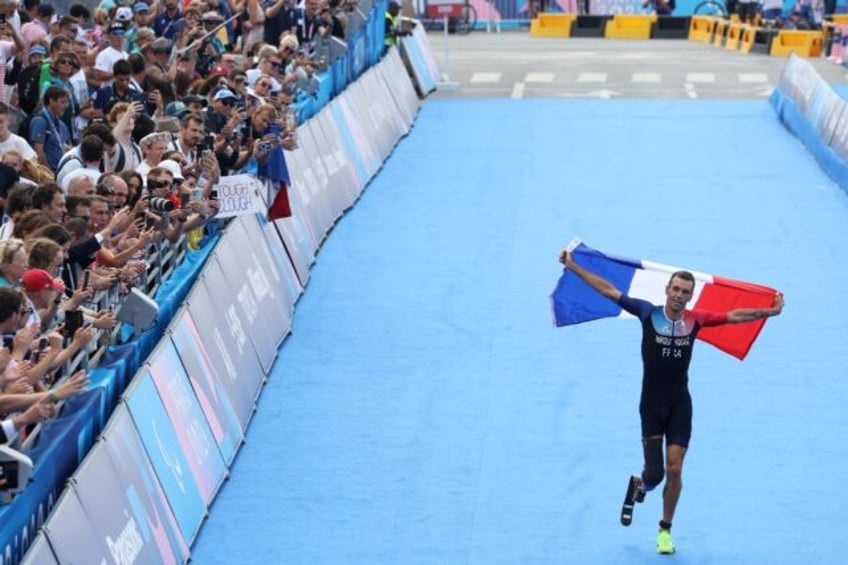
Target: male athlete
{"type": "Point", "coordinates": [668, 333]}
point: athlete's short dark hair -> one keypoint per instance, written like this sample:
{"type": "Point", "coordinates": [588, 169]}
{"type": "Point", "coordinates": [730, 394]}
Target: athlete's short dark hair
{"type": "Point", "coordinates": [685, 275]}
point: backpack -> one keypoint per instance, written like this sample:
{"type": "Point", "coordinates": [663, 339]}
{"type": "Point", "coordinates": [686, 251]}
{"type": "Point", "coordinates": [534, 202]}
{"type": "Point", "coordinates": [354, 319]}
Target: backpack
{"type": "Point", "coordinates": [28, 91]}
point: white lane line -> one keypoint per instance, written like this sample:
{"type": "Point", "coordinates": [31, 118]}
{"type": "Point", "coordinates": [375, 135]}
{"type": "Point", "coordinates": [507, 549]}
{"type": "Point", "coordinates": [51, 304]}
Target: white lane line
{"type": "Point", "coordinates": [592, 77]}
{"type": "Point", "coordinates": [539, 77]}
{"type": "Point", "coordinates": [690, 90]}
{"type": "Point", "coordinates": [700, 77]}
{"type": "Point", "coordinates": [646, 77]}
{"type": "Point", "coordinates": [753, 78]}
{"type": "Point", "coordinates": [518, 90]}
{"type": "Point", "coordinates": [485, 77]}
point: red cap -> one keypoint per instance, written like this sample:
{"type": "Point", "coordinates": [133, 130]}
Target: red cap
{"type": "Point", "coordinates": [35, 280]}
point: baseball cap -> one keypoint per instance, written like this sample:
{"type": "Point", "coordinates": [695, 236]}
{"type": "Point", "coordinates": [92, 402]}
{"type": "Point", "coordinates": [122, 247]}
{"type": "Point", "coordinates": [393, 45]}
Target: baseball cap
{"type": "Point", "coordinates": [37, 50]}
{"type": "Point", "coordinates": [191, 98]}
{"type": "Point", "coordinates": [35, 280]}
{"type": "Point", "coordinates": [123, 14]}
{"type": "Point", "coordinates": [172, 167]}
{"type": "Point", "coordinates": [224, 93]}
{"type": "Point", "coordinates": [140, 7]}
{"type": "Point", "coordinates": [176, 109]}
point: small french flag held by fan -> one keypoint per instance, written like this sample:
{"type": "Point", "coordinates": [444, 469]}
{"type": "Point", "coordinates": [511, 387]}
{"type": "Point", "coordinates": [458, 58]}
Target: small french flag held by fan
{"type": "Point", "coordinates": [574, 302]}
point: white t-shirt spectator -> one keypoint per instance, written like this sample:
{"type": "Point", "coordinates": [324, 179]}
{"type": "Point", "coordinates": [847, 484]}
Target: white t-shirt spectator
{"type": "Point", "coordinates": [6, 50]}
{"type": "Point", "coordinates": [19, 144]}
{"type": "Point", "coordinates": [107, 58]}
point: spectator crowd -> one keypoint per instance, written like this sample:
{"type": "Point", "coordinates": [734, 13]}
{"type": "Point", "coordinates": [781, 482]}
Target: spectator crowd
{"type": "Point", "coordinates": [116, 124]}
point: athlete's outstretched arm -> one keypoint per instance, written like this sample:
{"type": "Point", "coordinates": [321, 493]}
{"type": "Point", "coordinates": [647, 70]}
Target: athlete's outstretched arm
{"type": "Point", "coordinates": [600, 284]}
{"type": "Point", "coordinates": [750, 314]}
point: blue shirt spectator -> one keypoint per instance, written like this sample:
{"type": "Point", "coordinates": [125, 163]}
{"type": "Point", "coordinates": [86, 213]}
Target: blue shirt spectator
{"type": "Point", "coordinates": [48, 134]}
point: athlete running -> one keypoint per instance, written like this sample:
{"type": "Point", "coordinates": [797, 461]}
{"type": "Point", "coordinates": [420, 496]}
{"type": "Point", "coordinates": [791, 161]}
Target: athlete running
{"type": "Point", "coordinates": [665, 408]}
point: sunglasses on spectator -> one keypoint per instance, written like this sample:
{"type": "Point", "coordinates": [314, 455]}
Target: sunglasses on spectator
{"type": "Point", "coordinates": [228, 102]}
{"type": "Point", "coordinates": [154, 184]}
{"type": "Point", "coordinates": [26, 311]}
{"type": "Point", "coordinates": [263, 84]}
{"type": "Point", "coordinates": [66, 62]}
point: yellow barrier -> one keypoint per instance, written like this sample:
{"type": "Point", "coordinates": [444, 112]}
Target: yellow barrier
{"type": "Point", "coordinates": [552, 25]}
{"type": "Point", "coordinates": [719, 32]}
{"type": "Point", "coordinates": [802, 43]}
{"type": "Point", "coordinates": [629, 26]}
{"type": "Point", "coordinates": [839, 19]}
{"type": "Point", "coordinates": [701, 28]}
{"type": "Point", "coordinates": [734, 35]}
{"type": "Point", "coordinates": [749, 36]}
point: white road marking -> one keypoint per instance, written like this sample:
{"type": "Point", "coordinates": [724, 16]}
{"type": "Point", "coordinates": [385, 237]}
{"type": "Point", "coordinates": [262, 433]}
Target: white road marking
{"type": "Point", "coordinates": [646, 77]}
{"type": "Point", "coordinates": [700, 77]}
{"type": "Point", "coordinates": [690, 90]}
{"type": "Point", "coordinates": [518, 90]}
{"type": "Point", "coordinates": [592, 77]}
{"type": "Point", "coordinates": [539, 77]}
{"type": "Point", "coordinates": [753, 78]}
{"type": "Point", "coordinates": [486, 77]}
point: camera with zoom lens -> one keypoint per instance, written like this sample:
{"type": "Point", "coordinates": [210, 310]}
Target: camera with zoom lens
{"type": "Point", "coordinates": [158, 204]}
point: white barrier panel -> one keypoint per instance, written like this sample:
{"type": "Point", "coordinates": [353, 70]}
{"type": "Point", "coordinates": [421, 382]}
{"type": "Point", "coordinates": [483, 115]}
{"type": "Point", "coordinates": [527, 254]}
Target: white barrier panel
{"type": "Point", "coordinates": [285, 263]}
{"type": "Point", "coordinates": [304, 205]}
{"type": "Point", "coordinates": [399, 111]}
{"type": "Point", "coordinates": [298, 244]}
{"type": "Point", "coordinates": [272, 256]}
{"type": "Point", "coordinates": [270, 292]}
{"type": "Point", "coordinates": [117, 515]}
{"type": "Point", "coordinates": [71, 534]}
{"type": "Point", "coordinates": [215, 371]}
{"type": "Point", "coordinates": [398, 82]}
{"type": "Point", "coordinates": [334, 190]}
{"type": "Point", "coordinates": [364, 145]}
{"type": "Point", "coordinates": [377, 105]}
{"type": "Point", "coordinates": [40, 553]}
{"type": "Point", "coordinates": [369, 114]}
{"type": "Point", "coordinates": [232, 292]}
{"type": "Point", "coordinates": [348, 140]}
{"type": "Point", "coordinates": [349, 186]}
{"type": "Point", "coordinates": [418, 53]}
{"type": "Point", "coordinates": [142, 489]}
{"type": "Point", "coordinates": [210, 387]}
{"type": "Point", "coordinates": [225, 339]}
{"type": "Point", "coordinates": [317, 178]}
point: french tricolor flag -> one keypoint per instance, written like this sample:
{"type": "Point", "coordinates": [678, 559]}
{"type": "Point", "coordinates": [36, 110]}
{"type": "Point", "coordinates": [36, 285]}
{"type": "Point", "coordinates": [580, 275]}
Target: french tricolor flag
{"type": "Point", "coordinates": [575, 302]}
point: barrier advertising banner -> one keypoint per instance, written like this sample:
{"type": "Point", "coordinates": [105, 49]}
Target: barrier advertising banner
{"type": "Point", "coordinates": [274, 260]}
{"type": "Point", "coordinates": [72, 535]}
{"type": "Point", "coordinates": [346, 136]}
{"type": "Point", "coordinates": [40, 553]}
{"type": "Point", "coordinates": [114, 509]}
{"type": "Point", "coordinates": [415, 49]}
{"type": "Point", "coordinates": [217, 393]}
{"type": "Point", "coordinates": [187, 419]}
{"type": "Point", "coordinates": [226, 342]}
{"type": "Point", "coordinates": [342, 167]}
{"type": "Point", "coordinates": [235, 297]}
{"type": "Point", "coordinates": [165, 453]}
{"type": "Point", "coordinates": [298, 245]}
{"type": "Point", "coordinates": [142, 491]}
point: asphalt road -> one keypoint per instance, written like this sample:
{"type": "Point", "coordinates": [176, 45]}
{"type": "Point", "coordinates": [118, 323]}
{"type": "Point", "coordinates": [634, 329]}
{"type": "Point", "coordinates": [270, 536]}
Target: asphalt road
{"type": "Point", "coordinates": [513, 64]}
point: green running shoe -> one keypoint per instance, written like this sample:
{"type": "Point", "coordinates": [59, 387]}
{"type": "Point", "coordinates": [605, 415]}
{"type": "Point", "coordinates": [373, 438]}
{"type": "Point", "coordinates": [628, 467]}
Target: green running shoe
{"type": "Point", "coordinates": [664, 544]}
